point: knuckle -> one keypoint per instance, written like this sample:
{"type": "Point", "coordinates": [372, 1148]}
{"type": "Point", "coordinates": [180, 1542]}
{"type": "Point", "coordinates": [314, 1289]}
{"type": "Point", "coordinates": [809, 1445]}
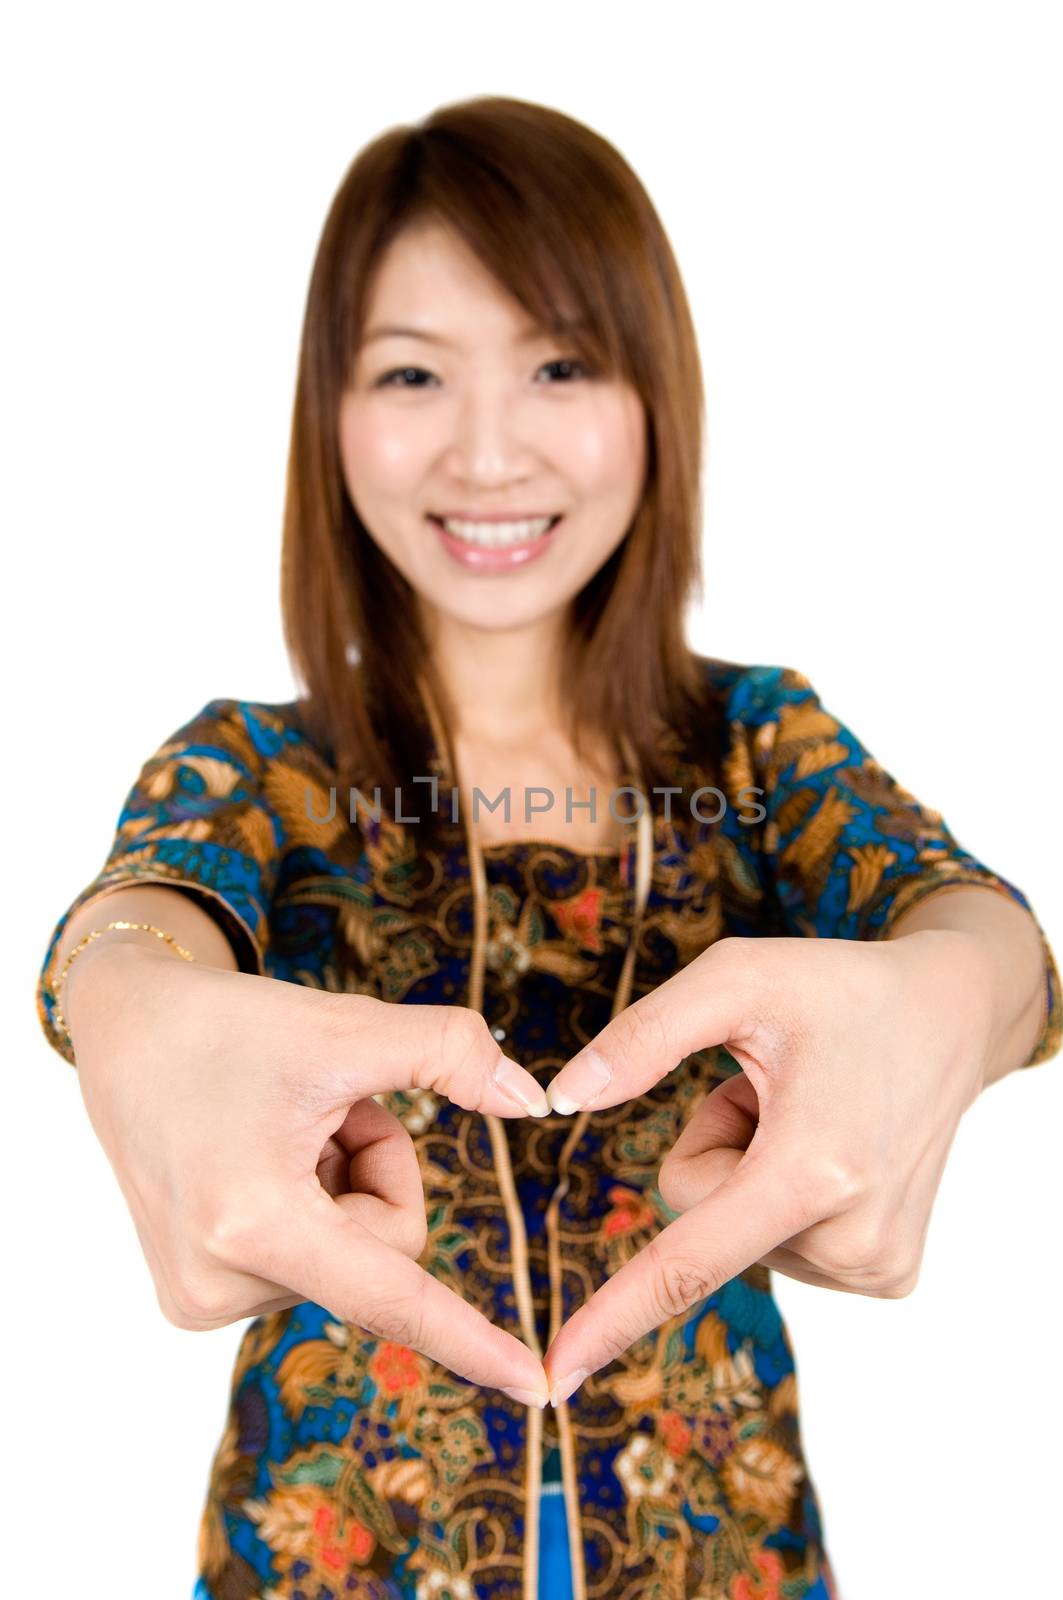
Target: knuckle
{"type": "Point", "coordinates": [196, 1304]}
{"type": "Point", "coordinates": [463, 1035]}
{"type": "Point", "coordinates": [892, 1276]}
{"type": "Point", "coordinates": [399, 1319]}
{"type": "Point", "coordinates": [832, 1185]}
{"type": "Point", "coordinates": [679, 1280]}
{"type": "Point", "coordinates": [469, 1055]}
{"type": "Point", "coordinates": [173, 1313]}
{"type": "Point", "coordinates": [228, 1238]}
{"type": "Point", "coordinates": [737, 954]}
{"type": "Point", "coordinates": [465, 1026]}
{"type": "Point", "coordinates": [413, 1233]}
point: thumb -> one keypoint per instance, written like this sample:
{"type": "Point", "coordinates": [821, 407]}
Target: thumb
{"type": "Point", "coordinates": [449, 1049]}
{"type": "Point", "coordinates": [711, 1145]}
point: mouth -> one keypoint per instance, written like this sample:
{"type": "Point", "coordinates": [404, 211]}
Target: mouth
{"type": "Point", "coordinates": [494, 533]}
{"type": "Point", "coordinates": [492, 546]}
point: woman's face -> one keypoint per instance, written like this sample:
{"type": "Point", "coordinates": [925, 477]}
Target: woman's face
{"type": "Point", "coordinates": [471, 412]}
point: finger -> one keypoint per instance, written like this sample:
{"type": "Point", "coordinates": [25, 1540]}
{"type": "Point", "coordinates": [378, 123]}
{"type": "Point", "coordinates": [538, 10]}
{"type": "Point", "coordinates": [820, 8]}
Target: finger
{"type": "Point", "coordinates": [794, 1265]}
{"type": "Point", "coordinates": [709, 1148]}
{"type": "Point", "coordinates": [703, 1005]}
{"type": "Point", "coordinates": [370, 1169]}
{"type": "Point", "coordinates": [402, 1230]}
{"type": "Point", "coordinates": [759, 1205]}
{"type": "Point", "coordinates": [449, 1049]}
{"type": "Point", "coordinates": [331, 1259]}
{"type": "Point", "coordinates": [279, 1303]}
{"type": "Point", "coordinates": [693, 1182]}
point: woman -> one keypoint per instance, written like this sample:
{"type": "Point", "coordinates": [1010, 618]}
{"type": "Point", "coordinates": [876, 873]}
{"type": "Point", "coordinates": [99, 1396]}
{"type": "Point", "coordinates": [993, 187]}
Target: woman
{"type": "Point", "coordinates": [492, 529]}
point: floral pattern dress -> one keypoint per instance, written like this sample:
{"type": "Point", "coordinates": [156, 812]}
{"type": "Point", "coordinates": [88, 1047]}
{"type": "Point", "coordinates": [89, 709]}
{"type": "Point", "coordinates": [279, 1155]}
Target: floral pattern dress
{"type": "Point", "coordinates": [352, 1467]}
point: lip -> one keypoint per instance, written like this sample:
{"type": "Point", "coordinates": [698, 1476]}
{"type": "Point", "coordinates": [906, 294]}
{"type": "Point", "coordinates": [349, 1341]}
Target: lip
{"type": "Point", "coordinates": [476, 559]}
{"type": "Point", "coordinates": [492, 516]}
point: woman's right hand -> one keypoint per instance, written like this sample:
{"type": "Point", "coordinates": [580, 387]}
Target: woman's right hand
{"type": "Point", "coordinates": [237, 1114]}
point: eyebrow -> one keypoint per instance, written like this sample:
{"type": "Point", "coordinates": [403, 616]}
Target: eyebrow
{"type": "Point", "coordinates": [393, 330]}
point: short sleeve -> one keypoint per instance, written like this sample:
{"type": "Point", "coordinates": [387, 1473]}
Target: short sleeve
{"type": "Point", "coordinates": [197, 819]}
{"type": "Point", "coordinates": [841, 849]}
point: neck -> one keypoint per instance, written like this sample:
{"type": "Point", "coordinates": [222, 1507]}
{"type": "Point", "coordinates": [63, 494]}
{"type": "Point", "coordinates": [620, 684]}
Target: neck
{"type": "Point", "coordinates": [504, 684]}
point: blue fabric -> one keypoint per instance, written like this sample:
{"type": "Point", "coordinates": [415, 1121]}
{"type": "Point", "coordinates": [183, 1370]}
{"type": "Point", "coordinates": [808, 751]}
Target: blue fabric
{"type": "Point", "coordinates": [555, 1568]}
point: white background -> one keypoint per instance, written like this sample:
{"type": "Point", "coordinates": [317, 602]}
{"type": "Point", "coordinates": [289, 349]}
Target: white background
{"type": "Point", "coordinates": [864, 201]}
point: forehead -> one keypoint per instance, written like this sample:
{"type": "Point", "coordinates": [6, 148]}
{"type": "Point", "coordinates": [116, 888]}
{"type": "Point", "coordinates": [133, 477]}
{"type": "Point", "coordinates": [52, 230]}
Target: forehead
{"type": "Point", "coordinates": [429, 285]}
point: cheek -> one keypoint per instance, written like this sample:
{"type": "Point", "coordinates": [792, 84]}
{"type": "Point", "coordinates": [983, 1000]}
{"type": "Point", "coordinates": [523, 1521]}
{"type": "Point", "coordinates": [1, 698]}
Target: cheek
{"type": "Point", "coordinates": [605, 454]}
{"type": "Point", "coordinates": [377, 456]}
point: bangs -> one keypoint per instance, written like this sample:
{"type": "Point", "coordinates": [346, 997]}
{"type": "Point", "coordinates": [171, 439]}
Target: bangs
{"type": "Point", "coordinates": [534, 228]}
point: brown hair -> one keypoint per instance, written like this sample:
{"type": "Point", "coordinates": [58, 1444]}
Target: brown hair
{"type": "Point", "coordinates": [561, 220]}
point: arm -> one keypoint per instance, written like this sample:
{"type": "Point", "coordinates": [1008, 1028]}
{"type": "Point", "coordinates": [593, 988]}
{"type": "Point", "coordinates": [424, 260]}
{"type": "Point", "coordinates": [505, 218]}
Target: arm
{"type": "Point", "coordinates": [199, 826]}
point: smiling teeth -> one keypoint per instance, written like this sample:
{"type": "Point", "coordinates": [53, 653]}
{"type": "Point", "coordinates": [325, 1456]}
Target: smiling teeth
{"type": "Point", "coordinates": [494, 535]}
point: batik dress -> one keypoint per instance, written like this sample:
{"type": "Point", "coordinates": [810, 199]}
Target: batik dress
{"type": "Point", "coordinates": [349, 1466]}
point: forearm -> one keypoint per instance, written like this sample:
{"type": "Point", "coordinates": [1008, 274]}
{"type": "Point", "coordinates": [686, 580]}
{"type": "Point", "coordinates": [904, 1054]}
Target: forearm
{"type": "Point", "coordinates": [169, 909]}
{"type": "Point", "coordinates": [1005, 957]}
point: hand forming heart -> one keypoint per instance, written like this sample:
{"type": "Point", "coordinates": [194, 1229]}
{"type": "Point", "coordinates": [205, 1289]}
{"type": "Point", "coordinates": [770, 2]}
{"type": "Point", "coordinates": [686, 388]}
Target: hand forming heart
{"type": "Point", "coordinates": [823, 1157]}
{"type": "Point", "coordinates": [241, 1117]}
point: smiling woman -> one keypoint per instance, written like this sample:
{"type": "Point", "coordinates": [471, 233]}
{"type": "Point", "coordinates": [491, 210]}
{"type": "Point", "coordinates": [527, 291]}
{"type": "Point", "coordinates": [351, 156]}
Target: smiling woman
{"type": "Point", "coordinates": [492, 469]}
{"type": "Point", "coordinates": [548, 461]}
{"type": "Point", "coordinates": [496, 333]}
{"type": "Point", "coordinates": [492, 532]}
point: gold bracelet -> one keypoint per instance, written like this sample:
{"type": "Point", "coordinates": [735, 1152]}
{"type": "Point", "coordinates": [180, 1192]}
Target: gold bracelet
{"type": "Point", "coordinates": [96, 933]}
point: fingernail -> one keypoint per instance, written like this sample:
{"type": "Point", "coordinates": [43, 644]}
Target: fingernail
{"type": "Point", "coordinates": [566, 1386]}
{"type": "Point", "coordinates": [526, 1397]}
{"type": "Point", "coordinates": [584, 1078]}
{"type": "Point", "coordinates": [521, 1087]}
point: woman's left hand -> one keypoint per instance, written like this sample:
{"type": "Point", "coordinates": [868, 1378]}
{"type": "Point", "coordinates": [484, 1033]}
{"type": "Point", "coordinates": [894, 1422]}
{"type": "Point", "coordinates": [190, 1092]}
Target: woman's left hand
{"type": "Point", "coordinates": [822, 1158]}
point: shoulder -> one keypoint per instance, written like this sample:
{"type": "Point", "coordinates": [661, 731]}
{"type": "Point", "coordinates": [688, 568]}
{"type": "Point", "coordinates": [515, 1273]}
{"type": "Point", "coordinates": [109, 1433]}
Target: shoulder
{"type": "Point", "coordinates": [752, 695]}
{"type": "Point", "coordinates": [258, 731]}
{"type": "Point", "coordinates": [769, 720]}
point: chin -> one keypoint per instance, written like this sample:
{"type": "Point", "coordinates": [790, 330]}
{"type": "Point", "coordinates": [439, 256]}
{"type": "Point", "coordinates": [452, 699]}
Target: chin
{"type": "Point", "coordinates": [491, 614]}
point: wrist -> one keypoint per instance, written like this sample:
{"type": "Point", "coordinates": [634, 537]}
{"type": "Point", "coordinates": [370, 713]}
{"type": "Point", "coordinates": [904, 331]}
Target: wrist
{"type": "Point", "coordinates": [87, 985]}
{"type": "Point", "coordinates": [951, 972]}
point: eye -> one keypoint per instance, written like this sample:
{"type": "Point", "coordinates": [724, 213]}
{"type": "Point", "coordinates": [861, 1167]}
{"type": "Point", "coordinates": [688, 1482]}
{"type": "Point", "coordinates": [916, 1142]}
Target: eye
{"type": "Point", "coordinates": [386, 379]}
{"type": "Point", "coordinates": [570, 362]}
{"type": "Point", "coordinates": [397, 377]}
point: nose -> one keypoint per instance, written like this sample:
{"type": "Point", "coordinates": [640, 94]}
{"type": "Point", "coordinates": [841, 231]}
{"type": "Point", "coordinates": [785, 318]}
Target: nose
{"type": "Point", "coordinates": [487, 444]}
